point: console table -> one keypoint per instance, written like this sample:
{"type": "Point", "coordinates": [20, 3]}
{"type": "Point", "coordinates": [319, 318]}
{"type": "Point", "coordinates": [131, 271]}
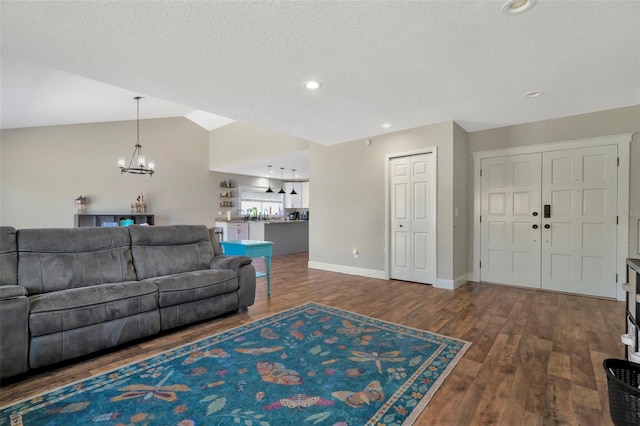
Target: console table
{"type": "Point", "coordinates": [81, 220]}
{"type": "Point", "coordinates": [251, 248]}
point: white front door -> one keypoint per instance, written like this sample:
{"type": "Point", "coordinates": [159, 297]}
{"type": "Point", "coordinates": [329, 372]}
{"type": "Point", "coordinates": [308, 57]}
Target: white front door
{"type": "Point", "coordinates": [548, 220]}
{"type": "Point", "coordinates": [510, 220]}
{"type": "Point", "coordinates": [413, 222]}
{"type": "Point", "coordinates": [579, 237]}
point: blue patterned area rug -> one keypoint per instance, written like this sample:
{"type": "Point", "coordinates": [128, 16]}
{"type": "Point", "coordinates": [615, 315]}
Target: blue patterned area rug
{"type": "Point", "coordinates": [310, 365]}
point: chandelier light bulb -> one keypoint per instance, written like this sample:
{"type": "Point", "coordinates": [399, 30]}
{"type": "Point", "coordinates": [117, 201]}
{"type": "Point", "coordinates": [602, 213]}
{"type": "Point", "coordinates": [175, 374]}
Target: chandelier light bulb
{"type": "Point", "coordinates": [152, 165]}
{"type": "Point", "coordinates": [122, 162]}
{"type": "Point", "coordinates": [141, 161]}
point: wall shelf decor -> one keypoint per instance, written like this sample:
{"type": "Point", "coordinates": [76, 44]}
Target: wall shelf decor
{"type": "Point", "coordinates": [83, 220]}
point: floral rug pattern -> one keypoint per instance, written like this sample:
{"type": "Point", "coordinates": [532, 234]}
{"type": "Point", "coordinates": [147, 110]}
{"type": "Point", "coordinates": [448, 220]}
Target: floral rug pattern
{"type": "Point", "coordinates": [310, 365]}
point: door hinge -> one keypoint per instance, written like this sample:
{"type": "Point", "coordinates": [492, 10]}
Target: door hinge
{"type": "Point", "coordinates": [617, 219]}
{"type": "Point", "coordinates": [481, 264]}
{"type": "Point", "coordinates": [480, 218]}
{"type": "Point", "coordinates": [618, 161]}
{"type": "Point", "coordinates": [616, 278]}
{"type": "Point", "coordinates": [480, 172]}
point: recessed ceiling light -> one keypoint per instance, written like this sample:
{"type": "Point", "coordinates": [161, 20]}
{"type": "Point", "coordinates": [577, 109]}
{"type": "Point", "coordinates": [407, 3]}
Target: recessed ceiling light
{"type": "Point", "coordinates": [386, 125]}
{"type": "Point", "coordinates": [533, 94]}
{"type": "Point", "coordinates": [312, 85]}
{"type": "Point", "coordinates": [516, 7]}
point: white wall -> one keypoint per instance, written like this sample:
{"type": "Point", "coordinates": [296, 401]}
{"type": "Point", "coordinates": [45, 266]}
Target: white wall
{"type": "Point", "coordinates": [239, 143]}
{"type": "Point", "coordinates": [42, 171]}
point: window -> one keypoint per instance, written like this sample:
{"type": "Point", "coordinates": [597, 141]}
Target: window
{"type": "Point", "coordinates": [265, 203]}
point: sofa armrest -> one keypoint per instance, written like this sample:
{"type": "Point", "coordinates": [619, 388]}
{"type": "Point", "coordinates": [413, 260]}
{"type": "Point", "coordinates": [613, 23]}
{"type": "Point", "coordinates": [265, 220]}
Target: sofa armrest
{"type": "Point", "coordinates": [14, 330]}
{"type": "Point", "coordinates": [246, 276]}
{"type": "Point", "coordinates": [12, 291]}
{"type": "Point", "coordinates": [230, 262]}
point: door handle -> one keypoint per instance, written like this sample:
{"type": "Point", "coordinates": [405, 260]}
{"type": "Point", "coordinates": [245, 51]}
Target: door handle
{"type": "Point", "coordinates": [400, 226]}
{"type": "Point", "coordinates": [547, 210]}
{"type": "Point", "coordinates": [535, 213]}
{"type": "Point", "coordinates": [535, 226]}
{"type": "Point", "coordinates": [547, 226]}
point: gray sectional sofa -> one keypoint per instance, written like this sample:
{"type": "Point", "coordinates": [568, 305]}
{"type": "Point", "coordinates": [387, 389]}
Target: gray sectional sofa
{"type": "Point", "coordinates": [69, 292]}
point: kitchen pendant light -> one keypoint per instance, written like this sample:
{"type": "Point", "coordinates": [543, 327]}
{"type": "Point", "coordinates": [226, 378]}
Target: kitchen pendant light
{"type": "Point", "coordinates": [282, 191]}
{"type": "Point", "coordinates": [293, 183]}
{"type": "Point", "coordinates": [269, 190]}
{"type": "Point", "coordinates": [143, 168]}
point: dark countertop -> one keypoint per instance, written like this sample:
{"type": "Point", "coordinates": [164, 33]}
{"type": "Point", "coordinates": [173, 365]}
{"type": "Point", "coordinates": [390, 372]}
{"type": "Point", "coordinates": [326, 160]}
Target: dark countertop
{"type": "Point", "coordinates": [272, 222]}
{"type": "Point", "coordinates": [266, 222]}
{"type": "Point", "coordinates": [634, 264]}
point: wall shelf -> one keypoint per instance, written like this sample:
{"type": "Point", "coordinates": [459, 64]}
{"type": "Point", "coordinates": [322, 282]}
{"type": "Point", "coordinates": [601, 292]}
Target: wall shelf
{"type": "Point", "coordinates": [228, 197]}
{"type": "Point", "coordinates": [83, 220]}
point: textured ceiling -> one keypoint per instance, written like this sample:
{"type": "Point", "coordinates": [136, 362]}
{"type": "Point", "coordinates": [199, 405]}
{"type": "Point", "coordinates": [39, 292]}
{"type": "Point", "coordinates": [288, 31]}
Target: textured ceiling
{"type": "Point", "coordinates": [409, 63]}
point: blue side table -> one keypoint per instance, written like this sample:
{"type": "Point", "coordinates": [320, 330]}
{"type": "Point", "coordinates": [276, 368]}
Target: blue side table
{"type": "Point", "coordinates": [251, 248]}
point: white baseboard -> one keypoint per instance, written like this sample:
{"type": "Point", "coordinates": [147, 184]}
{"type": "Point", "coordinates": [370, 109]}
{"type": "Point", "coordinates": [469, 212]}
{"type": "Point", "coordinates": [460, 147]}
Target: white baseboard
{"type": "Point", "coordinates": [451, 284]}
{"type": "Point", "coordinates": [350, 270]}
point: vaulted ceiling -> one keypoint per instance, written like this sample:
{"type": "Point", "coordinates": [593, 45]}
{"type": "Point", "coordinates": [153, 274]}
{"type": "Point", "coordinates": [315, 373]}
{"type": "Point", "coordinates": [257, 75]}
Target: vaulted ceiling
{"type": "Point", "coordinates": [406, 63]}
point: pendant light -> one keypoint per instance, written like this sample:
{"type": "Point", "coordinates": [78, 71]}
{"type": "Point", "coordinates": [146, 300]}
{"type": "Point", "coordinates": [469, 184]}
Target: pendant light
{"type": "Point", "coordinates": [269, 190]}
{"type": "Point", "coordinates": [293, 183]}
{"type": "Point", "coordinates": [143, 168]}
{"type": "Point", "coordinates": [282, 191]}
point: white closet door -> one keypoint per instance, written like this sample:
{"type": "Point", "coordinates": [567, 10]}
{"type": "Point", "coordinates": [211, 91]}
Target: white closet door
{"type": "Point", "coordinates": [413, 236]}
{"type": "Point", "coordinates": [579, 245]}
{"type": "Point", "coordinates": [510, 214]}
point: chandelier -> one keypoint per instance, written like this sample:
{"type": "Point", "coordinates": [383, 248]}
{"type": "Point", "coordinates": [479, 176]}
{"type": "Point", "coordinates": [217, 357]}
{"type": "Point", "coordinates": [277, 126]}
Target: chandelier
{"type": "Point", "coordinates": [140, 166]}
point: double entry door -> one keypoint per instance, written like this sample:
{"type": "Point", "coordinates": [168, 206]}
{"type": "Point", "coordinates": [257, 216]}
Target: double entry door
{"type": "Point", "coordinates": [413, 218]}
{"type": "Point", "coordinates": [548, 221]}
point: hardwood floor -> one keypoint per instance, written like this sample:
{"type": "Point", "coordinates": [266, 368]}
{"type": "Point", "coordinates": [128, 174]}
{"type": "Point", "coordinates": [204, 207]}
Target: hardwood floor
{"type": "Point", "coordinates": [535, 359]}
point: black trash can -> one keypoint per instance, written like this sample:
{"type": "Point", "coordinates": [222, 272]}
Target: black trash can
{"type": "Point", "coordinates": [623, 379]}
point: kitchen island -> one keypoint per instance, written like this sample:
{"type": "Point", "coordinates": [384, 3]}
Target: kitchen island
{"type": "Point", "coordinates": [288, 236]}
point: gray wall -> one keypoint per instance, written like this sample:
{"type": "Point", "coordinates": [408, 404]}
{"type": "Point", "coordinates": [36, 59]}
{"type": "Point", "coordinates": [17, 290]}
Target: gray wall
{"type": "Point", "coordinates": [42, 171]}
{"type": "Point", "coordinates": [603, 123]}
{"type": "Point", "coordinates": [460, 197]}
{"type": "Point", "coordinates": [348, 197]}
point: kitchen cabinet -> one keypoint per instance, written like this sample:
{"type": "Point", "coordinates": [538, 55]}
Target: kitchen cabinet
{"type": "Point", "coordinates": [305, 195]}
{"type": "Point", "coordinates": [299, 200]}
{"type": "Point", "coordinates": [232, 231]}
{"type": "Point", "coordinates": [288, 236]}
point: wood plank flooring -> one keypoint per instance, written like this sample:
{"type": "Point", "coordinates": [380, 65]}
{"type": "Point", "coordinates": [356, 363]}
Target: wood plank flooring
{"type": "Point", "coordinates": [536, 357]}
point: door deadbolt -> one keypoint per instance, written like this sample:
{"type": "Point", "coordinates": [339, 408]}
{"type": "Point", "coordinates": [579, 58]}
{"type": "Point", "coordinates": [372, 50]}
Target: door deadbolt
{"type": "Point", "coordinates": [547, 226]}
{"type": "Point", "coordinates": [535, 226]}
{"type": "Point", "coordinates": [535, 213]}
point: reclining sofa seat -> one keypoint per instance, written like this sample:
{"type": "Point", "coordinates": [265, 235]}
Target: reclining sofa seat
{"type": "Point", "coordinates": [193, 283]}
{"type": "Point", "coordinates": [14, 309]}
{"type": "Point", "coordinates": [83, 292]}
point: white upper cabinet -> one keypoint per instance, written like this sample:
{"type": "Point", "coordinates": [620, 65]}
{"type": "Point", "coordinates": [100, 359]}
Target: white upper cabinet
{"type": "Point", "coordinates": [300, 200]}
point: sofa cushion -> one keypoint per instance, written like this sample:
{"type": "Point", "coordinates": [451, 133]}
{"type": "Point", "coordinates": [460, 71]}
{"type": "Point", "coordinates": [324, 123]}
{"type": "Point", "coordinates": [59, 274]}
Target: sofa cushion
{"type": "Point", "coordinates": [167, 250]}
{"type": "Point", "coordinates": [8, 256]}
{"type": "Point", "coordinates": [198, 285]}
{"type": "Point", "coordinates": [80, 307]}
{"type": "Point", "coordinates": [66, 258]}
